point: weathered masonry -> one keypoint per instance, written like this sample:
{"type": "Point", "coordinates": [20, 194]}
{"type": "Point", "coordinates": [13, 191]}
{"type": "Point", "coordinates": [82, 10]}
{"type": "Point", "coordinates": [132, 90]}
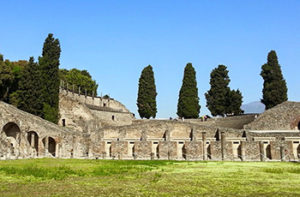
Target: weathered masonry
{"type": "Point", "coordinates": [87, 130]}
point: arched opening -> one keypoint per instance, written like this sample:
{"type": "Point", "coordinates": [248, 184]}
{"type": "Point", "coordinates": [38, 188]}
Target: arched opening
{"type": "Point", "coordinates": [50, 145]}
{"type": "Point", "coordinates": [299, 125]}
{"type": "Point", "coordinates": [33, 139]}
{"type": "Point", "coordinates": [113, 117]}
{"type": "Point", "coordinates": [298, 151]}
{"type": "Point", "coordinates": [11, 129]}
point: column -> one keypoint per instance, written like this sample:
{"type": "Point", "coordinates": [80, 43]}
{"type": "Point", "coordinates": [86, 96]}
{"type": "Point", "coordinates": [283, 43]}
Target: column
{"type": "Point", "coordinates": [32, 140]}
{"type": "Point", "coordinates": [46, 145]}
{"type": "Point", "coordinates": [204, 145]}
{"type": "Point", "coordinates": [223, 141]}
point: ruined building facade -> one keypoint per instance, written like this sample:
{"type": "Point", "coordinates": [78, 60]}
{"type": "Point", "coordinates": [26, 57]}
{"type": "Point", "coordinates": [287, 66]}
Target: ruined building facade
{"type": "Point", "coordinates": [102, 128]}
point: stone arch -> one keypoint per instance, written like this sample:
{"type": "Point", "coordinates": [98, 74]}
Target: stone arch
{"type": "Point", "coordinates": [50, 145]}
{"type": "Point", "coordinates": [11, 129]}
{"type": "Point", "coordinates": [33, 139]}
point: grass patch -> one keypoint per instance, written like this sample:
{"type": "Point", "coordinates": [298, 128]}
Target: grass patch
{"type": "Point", "coordinates": [71, 177]}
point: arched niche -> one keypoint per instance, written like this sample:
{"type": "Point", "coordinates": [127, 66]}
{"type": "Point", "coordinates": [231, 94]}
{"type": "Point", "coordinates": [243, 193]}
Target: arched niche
{"type": "Point", "coordinates": [33, 139]}
{"type": "Point", "coordinates": [50, 145]}
{"type": "Point", "coordinates": [11, 129]}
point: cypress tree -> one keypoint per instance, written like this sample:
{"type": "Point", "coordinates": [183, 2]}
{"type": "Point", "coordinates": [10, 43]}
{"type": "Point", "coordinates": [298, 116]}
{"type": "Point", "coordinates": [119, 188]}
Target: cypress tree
{"type": "Point", "coordinates": [146, 101]}
{"type": "Point", "coordinates": [49, 65]}
{"type": "Point", "coordinates": [188, 101]}
{"type": "Point", "coordinates": [27, 97]}
{"type": "Point", "coordinates": [216, 97]}
{"type": "Point", "coordinates": [274, 88]}
{"type": "Point", "coordinates": [220, 99]}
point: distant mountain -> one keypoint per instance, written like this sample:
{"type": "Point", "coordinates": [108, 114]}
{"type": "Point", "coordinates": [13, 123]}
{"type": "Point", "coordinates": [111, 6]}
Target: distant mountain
{"type": "Point", "coordinates": [253, 107]}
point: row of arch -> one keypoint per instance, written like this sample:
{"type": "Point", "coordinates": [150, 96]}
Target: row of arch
{"type": "Point", "coordinates": [13, 134]}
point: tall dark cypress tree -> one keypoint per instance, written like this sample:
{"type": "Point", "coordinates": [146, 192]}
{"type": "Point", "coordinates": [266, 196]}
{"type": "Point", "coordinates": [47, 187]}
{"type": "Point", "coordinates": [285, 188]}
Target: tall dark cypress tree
{"type": "Point", "coordinates": [30, 90]}
{"type": "Point", "coordinates": [220, 100]}
{"type": "Point", "coordinates": [188, 101]}
{"type": "Point", "coordinates": [146, 101]}
{"type": "Point", "coordinates": [216, 97]}
{"type": "Point", "coordinates": [274, 89]}
{"type": "Point", "coordinates": [49, 65]}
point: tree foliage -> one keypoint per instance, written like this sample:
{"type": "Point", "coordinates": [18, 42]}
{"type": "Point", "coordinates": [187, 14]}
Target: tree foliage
{"type": "Point", "coordinates": [78, 78]}
{"type": "Point", "coordinates": [146, 101]}
{"type": "Point", "coordinates": [27, 97]}
{"type": "Point", "coordinates": [49, 66]}
{"type": "Point", "coordinates": [274, 88]}
{"type": "Point", "coordinates": [6, 78]}
{"type": "Point", "coordinates": [220, 100]}
{"type": "Point", "coordinates": [234, 102]}
{"type": "Point", "coordinates": [188, 101]}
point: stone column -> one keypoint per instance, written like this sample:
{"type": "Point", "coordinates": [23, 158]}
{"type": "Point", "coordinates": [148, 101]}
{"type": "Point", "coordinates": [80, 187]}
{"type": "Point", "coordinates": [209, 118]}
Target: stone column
{"type": "Point", "coordinates": [46, 145]}
{"type": "Point", "coordinates": [261, 151]}
{"type": "Point", "coordinates": [243, 152]}
{"type": "Point", "coordinates": [32, 140]}
{"type": "Point", "coordinates": [223, 141]}
{"type": "Point", "coordinates": [204, 145]}
{"type": "Point", "coordinates": [282, 154]}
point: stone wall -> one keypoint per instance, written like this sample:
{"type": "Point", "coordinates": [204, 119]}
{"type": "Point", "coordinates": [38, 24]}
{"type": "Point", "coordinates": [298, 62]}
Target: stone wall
{"type": "Point", "coordinates": [90, 113]}
{"type": "Point", "coordinates": [26, 136]}
{"type": "Point", "coordinates": [285, 116]}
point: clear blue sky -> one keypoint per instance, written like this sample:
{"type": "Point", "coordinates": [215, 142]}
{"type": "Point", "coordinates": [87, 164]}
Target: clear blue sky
{"type": "Point", "coordinates": [115, 40]}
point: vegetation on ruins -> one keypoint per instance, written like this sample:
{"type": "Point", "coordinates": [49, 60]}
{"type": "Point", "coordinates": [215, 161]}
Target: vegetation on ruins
{"type": "Point", "coordinates": [78, 79]}
{"type": "Point", "coordinates": [38, 177]}
{"type": "Point", "coordinates": [274, 88]}
{"type": "Point", "coordinates": [34, 86]}
{"type": "Point", "coordinates": [6, 78]}
{"type": "Point", "coordinates": [27, 96]}
{"type": "Point", "coordinates": [49, 66]}
{"type": "Point", "coordinates": [188, 101]}
{"type": "Point", "coordinates": [146, 100]}
{"type": "Point", "coordinates": [220, 99]}
{"type": "Point", "coordinates": [10, 74]}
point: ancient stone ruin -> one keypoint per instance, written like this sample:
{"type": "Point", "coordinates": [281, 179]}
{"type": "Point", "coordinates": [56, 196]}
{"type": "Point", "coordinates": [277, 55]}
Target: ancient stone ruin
{"type": "Point", "coordinates": [102, 128]}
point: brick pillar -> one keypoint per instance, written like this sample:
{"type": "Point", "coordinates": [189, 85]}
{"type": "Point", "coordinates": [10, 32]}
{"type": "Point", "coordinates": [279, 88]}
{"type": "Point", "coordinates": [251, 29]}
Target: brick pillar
{"type": "Point", "coordinates": [223, 141]}
{"type": "Point", "coordinates": [204, 145]}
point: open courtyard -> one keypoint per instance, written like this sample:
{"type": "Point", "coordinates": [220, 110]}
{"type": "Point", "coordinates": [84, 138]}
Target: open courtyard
{"type": "Point", "coordinates": [74, 177]}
